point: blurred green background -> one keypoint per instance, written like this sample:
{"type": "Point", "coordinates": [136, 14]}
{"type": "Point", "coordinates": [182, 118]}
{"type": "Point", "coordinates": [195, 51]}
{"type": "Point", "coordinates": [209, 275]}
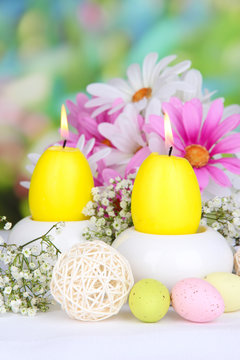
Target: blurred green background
{"type": "Point", "coordinates": [51, 49]}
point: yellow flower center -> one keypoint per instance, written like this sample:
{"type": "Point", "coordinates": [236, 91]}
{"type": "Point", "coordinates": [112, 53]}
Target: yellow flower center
{"type": "Point", "coordinates": [107, 142]}
{"type": "Point", "coordinates": [140, 94]}
{"type": "Point", "coordinates": [139, 148]}
{"type": "Point", "coordinates": [197, 155]}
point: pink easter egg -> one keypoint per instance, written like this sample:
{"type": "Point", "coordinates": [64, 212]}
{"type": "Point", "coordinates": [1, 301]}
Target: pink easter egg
{"type": "Point", "coordinates": [197, 300]}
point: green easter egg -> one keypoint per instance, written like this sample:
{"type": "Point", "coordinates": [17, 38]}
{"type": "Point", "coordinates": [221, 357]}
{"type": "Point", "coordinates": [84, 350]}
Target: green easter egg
{"type": "Point", "coordinates": [149, 300]}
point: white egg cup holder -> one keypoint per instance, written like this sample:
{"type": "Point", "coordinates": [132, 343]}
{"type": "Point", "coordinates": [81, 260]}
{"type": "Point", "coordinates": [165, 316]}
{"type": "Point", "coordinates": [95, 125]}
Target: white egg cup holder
{"type": "Point", "coordinates": [170, 258]}
{"type": "Point", "coordinates": [28, 229]}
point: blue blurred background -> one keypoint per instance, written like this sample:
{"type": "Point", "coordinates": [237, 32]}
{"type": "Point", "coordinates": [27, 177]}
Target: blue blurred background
{"type": "Point", "coordinates": [50, 50]}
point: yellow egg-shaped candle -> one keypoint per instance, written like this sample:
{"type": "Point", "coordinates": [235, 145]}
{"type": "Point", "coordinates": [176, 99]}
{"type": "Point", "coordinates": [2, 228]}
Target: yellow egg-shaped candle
{"type": "Point", "coordinates": [166, 198]}
{"type": "Point", "coordinates": [60, 185]}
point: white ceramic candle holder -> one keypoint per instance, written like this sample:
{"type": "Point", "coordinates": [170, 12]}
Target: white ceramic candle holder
{"type": "Point", "coordinates": [170, 258]}
{"type": "Point", "coordinates": [28, 229]}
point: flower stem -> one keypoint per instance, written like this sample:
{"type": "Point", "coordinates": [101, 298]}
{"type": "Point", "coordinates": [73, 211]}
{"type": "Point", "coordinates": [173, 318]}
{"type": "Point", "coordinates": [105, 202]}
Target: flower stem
{"type": "Point", "coordinates": [42, 237]}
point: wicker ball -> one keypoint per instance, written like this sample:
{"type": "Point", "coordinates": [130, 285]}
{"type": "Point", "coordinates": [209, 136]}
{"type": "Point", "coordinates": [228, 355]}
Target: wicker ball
{"type": "Point", "coordinates": [237, 262]}
{"type": "Point", "coordinates": [91, 281]}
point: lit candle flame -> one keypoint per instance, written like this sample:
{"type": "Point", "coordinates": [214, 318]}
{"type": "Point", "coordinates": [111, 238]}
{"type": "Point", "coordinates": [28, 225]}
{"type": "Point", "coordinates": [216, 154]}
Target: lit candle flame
{"type": "Point", "coordinates": [168, 132]}
{"type": "Point", "coordinates": [64, 124]}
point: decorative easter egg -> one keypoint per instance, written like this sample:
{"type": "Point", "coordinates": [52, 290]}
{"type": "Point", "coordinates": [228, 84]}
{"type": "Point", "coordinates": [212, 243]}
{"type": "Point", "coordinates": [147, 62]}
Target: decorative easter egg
{"type": "Point", "coordinates": [60, 185]}
{"type": "Point", "coordinates": [149, 300]}
{"type": "Point", "coordinates": [197, 300]}
{"type": "Point", "coordinates": [166, 198]}
{"type": "Point", "coordinates": [229, 287]}
{"type": "Point", "coordinates": [91, 281]}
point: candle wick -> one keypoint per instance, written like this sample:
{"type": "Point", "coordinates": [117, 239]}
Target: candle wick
{"type": "Point", "coordinates": [64, 143]}
{"type": "Point", "coordinates": [170, 151]}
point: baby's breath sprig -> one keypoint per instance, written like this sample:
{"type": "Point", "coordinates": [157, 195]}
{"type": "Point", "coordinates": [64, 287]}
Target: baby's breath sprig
{"type": "Point", "coordinates": [25, 274]}
{"type": "Point", "coordinates": [110, 210]}
{"type": "Point", "coordinates": [223, 215]}
{"type": "Point", "coordinates": [4, 223]}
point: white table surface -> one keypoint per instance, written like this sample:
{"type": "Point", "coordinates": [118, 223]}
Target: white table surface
{"type": "Point", "coordinates": [53, 335]}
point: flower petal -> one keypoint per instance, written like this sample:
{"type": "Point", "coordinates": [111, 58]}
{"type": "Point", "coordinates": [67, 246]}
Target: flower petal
{"type": "Point", "coordinates": [81, 100]}
{"type": "Point", "coordinates": [231, 164]}
{"type": "Point", "coordinates": [206, 97]}
{"type": "Point", "coordinates": [194, 78]}
{"type": "Point", "coordinates": [72, 137]}
{"type": "Point", "coordinates": [25, 184]}
{"type": "Point", "coordinates": [112, 133]}
{"type": "Point", "coordinates": [91, 127]}
{"type": "Point", "coordinates": [228, 145]}
{"type": "Point", "coordinates": [99, 89]}
{"type": "Point", "coordinates": [72, 107]}
{"type": "Point", "coordinates": [192, 120]}
{"type": "Point", "coordinates": [101, 109]}
{"type": "Point", "coordinates": [116, 108]}
{"type": "Point", "coordinates": [137, 159]}
{"type": "Point", "coordinates": [81, 142]}
{"type": "Point", "coordinates": [107, 130]}
{"type": "Point", "coordinates": [30, 168]}
{"type": "Point", "coordinates": [89, 146]}
{"type": "Point", "coordinates": [33, 157]}
{"type": "Point", "coordinates": [161, 65]}
{"type": "Point", "coordinates": [202, 176]}
{"type": "Point", "coordinates": [156, 143]}
{"type": "Point", "coordinates": [122, 85]}
{"type": "Point", "coordinates": [231, 110]}
{"type": "Point", "coordinates": [176, 118]}
{"type": "Point", "coordinates": [178, 68]}
{"type": "Point", "coordinates": [227, 125]}
{"type": "Point", "coordinates": [148, 67]}
{"type": "Point", "coordinates": [218, 176]}
{"type": "Point", "coordinates": [117, 158]}
{"type": "Point", "coordinates": [176, 103]}
{"type": "Point", "coordinates": [99, 155]}
{"type": "Point", "coordinates": [96, 101]}
{"type": "Point", "coordinates": [212, 120]}
{"type": "Point", "coordinates": [153, 108]}
{"type": "Point", "coordinates": [197, 103]}
{"type": "Point", "coordinates": [165, 90]}
{"type": "Point", "coordinates": [135, 77]}
{"type": "Point", "coordinates": [157, 125]}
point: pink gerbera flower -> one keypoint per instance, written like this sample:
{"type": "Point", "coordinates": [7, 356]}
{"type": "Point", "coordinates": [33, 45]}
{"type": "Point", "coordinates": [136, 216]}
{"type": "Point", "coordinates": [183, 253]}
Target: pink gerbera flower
{"type": "Point", "coordinates": [85, 124]}
{"type": "Point", "coordinates": [203, 141]}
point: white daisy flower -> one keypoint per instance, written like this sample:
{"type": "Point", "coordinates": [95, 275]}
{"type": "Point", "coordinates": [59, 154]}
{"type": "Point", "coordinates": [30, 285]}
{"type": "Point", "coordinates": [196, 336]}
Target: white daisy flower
{"type": "Point", "coordinates": [154, 80]}
{"type": "Point", "coordinates": [131, 144]}
{"type": "Point", "coordinates": [126, 136]}
{"type": "Point", "coordinates": [194, 79]}
{"type": "Point", "coordinates": [84, 147]}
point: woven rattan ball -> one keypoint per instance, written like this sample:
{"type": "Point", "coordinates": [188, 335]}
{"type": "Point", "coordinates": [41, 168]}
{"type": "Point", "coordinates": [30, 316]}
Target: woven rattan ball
{"type": "Point", "coordinates": [237, 262]}
{"type": "Point", "coordinates": [91, 281]}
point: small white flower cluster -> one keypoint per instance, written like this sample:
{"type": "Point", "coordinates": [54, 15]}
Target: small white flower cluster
{"type": "Point", "coordinates": [223, 215]}
{"type": "Point", "coordinates": [4, 224]}
{"type": "Point", "coordinates": [25, 275]}
{"type": "Point", "coordinates": [110, 210]}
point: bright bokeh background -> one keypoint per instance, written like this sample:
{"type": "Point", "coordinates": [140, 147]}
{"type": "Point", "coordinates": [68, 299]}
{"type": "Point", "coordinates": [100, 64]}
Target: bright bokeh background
{"type": "Point", "coordinates": [50, 50]}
